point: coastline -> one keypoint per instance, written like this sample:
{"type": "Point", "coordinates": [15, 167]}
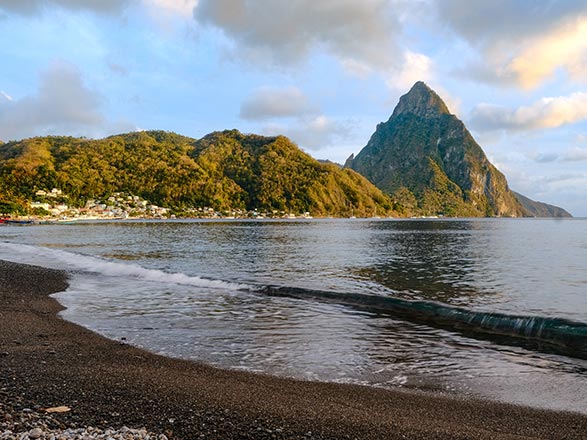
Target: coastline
{"type": "Point", "coordinates": [48, 362]}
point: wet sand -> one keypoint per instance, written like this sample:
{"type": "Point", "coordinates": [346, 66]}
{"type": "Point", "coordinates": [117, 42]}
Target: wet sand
{"type": "Point", "coordinates": [47, 362]}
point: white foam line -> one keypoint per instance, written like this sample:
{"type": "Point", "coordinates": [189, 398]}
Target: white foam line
{"type": "Point", "coordinates": [59, 259]}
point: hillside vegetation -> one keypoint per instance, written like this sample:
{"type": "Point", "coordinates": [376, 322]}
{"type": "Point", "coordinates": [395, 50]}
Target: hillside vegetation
{"type": "Point", "coordinates": [224, 170]}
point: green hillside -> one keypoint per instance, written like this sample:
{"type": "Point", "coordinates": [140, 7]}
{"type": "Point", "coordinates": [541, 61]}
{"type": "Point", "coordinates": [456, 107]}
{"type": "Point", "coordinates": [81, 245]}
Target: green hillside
{"type": "Point", "coordinates": [224, 170]}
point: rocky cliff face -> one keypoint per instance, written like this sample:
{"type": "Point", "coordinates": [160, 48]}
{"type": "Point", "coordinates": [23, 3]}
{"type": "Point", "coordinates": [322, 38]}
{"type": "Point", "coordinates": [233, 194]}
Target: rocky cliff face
{"type": "Point", "coordinates": [427, 160]}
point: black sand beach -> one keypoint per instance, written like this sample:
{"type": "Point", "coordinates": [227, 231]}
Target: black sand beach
{"type": "Point", "coordinates": [47, 362]}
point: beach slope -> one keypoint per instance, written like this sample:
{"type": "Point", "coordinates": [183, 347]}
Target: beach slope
{"type": "Point", "coordinates": [48, 362]}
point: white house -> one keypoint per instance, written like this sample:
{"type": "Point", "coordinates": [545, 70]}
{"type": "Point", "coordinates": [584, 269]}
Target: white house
{"type": "Point", "coordinates": [44, 206]}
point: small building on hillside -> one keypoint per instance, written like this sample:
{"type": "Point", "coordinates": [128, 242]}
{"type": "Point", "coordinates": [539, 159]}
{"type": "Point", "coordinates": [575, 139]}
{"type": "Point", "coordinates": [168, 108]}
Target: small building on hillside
{"type": "Point", "coordinates": [39, 205]}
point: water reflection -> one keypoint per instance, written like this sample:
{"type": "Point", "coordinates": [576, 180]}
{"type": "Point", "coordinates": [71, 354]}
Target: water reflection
{"type": "Point", "coordinates": [437, 261]}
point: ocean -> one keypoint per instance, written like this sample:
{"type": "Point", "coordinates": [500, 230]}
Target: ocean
{"type": "Point", "coordinates": [484, 308]}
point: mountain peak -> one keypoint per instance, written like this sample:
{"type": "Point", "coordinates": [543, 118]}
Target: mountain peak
{"type": "Point", "coordinates": [426, 159]}
{"type": "Point", "coordinates": [421, 100]}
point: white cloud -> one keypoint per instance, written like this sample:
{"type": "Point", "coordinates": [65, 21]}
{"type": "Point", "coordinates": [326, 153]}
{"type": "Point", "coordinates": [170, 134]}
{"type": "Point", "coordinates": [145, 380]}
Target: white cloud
{"type": "Point", "coordinates": [285, 32]}
{"type": "Point", "coordinates": [312, 133]}
{"type": "Point", "coordinates": [520, 42]}
{"type": "Point", "coordinates": [27, 7]}
{"type": "Point", "coordinates": [62, 105]}
{"type": "Point", "coordinates": [545, 113]}
{"type": "Point", "coordinates": [497, 21]}
{"type": "Point", "coordinates": [416, 67]}
{"type": "Point", "coordinates": [184, 8]}
{"type": "Point", "coordinates": [420, 67]}
{"type": "Point", "coordinates": [566, 47]}
{"type": "Point", "coordinates": [288, 111]}
{"type": "Point", "coordinates": [275, 102]}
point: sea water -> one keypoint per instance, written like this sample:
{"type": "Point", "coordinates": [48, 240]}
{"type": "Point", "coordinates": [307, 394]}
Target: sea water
{"type": "Point", "coordinates": [372, 302]}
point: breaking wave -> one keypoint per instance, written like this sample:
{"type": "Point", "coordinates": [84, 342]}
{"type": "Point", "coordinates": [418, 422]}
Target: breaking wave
{"type": "Point", "coordinates": [68, 261]}
{"type": "Point", "coordinates": [553, 334]}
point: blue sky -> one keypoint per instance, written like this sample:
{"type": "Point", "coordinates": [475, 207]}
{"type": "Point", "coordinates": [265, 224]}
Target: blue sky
{"type": "Point", "coordinates": [323, 72]}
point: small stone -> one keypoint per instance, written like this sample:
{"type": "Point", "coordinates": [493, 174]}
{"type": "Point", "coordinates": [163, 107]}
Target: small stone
{"type": "Point", "coordinates": [35, 433]}
{"type": "Point", "coordinates": [58, 409]}
{"type": "Point", "coordinates": [4, 353]}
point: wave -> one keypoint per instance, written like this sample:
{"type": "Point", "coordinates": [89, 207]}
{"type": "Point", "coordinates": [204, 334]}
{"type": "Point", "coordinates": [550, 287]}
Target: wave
{"type": "Point", "coordinates": [68, 261]}
{"type": "Point", "coordinates": [559, 335]}
{"type": "Point", "coordinates": [551, 334]}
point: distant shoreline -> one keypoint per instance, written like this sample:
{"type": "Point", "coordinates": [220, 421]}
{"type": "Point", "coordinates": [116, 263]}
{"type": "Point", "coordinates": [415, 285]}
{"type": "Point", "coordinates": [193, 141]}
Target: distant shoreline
{"type": "Point", "coordinates": [35, 221]}
{"type": "Point", "coordinates": [48, 362]}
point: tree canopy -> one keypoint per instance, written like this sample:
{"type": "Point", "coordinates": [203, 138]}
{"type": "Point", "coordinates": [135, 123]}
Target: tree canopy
{"type": "Point", "coordinates": [224, 170]}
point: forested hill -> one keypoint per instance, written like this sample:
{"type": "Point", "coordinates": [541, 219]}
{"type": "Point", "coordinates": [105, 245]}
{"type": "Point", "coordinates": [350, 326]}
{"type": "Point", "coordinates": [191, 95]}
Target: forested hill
{"type": "Point", "coordinates": [224, 170]}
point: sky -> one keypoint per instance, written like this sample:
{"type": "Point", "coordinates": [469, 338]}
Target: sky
{"type": "Point", "coordinates": [322, 72]}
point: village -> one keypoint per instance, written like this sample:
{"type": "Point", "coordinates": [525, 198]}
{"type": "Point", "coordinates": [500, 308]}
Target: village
{"type": "Point", "coordinates": [52, 206]}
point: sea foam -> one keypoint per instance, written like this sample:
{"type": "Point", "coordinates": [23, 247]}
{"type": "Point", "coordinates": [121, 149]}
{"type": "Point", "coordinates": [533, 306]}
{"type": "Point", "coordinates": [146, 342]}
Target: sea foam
{"type": "Point", "coordinates": [70, 261]}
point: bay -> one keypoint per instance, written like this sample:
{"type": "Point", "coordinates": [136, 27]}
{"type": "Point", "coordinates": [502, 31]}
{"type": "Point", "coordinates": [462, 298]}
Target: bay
{"type": "Point", "coordinates": [199, 290]}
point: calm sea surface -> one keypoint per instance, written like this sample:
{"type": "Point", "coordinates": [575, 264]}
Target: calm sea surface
{"type": "Point", "coordinates": [198, 290]}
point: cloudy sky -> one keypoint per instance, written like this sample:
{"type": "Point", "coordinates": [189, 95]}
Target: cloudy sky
{"type": "Point", "coordinates": [323, 72]}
